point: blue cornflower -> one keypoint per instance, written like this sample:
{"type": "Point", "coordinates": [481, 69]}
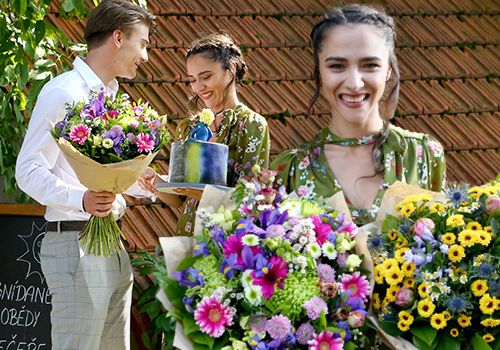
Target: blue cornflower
{"type": "Point", "coordinates": [375, 243]}
{"type": "Point", "coordinates": [458, 304]}
{"type": "Point", "coordinates": [485, 270]}
{"type": "Point", "coordinates": [457, 194]}
{"type": "Point", "coordinates": [494, 288]}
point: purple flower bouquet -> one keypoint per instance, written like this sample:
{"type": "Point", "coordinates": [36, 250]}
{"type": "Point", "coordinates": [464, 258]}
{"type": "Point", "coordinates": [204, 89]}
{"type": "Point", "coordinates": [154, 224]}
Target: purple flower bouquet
{"type": "Point", "coordinates": [108, 143]}
{"type": "Point", "coordinates": [277, 272]}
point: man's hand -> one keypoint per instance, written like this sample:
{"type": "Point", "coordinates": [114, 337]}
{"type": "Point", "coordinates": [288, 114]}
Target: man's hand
{"type": "Point", "coordinates": [98, 203]}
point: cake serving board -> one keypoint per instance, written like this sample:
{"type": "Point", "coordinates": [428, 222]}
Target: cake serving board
{"type": "Point", "coordinates": [171, 187]}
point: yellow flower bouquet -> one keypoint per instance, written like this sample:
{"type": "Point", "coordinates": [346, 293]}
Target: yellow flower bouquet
{"type": "Point", "coordinates": [436, 270]}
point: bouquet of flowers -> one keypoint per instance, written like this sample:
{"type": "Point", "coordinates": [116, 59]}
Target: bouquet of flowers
{"type": "Point", "coordinates": [108, 143]}
{"type": "Point", "coordinates": [437, 270]}
{"type": "Point", "coordinates": [277, 272]}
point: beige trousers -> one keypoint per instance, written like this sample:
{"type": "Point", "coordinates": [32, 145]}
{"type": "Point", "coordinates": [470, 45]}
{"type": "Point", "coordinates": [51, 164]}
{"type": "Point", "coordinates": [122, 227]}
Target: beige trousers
{"type": "Point", "coordinates": [91, 295]}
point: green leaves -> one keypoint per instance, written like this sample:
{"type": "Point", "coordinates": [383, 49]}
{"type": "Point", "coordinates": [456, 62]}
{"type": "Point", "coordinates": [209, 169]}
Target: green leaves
{"type": "Point", "coordinates": [425, 333]}
{"type": "Point", "coordinates": [478, 343]}
{"type": "Point", "coordinates": [31, 51]}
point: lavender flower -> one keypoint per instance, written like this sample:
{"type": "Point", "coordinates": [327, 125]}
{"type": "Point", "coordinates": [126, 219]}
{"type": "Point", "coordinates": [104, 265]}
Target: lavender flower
{"type": "Point", "coordinates": [314, 306]}
{"type": "Point", "coordinates": [326, 273]}
{"type": "Point", "coordinates": [279, 327]}
{"type": "Point", "coordinates": [304, 333]}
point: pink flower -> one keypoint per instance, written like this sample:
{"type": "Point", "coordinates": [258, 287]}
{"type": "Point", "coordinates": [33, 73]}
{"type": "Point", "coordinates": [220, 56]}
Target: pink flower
{"type": "Point", "coordinates": [325, 341]}
{"type": "Point", "coordinates": [423, 228]}
{"type": "Point", "coordinates": [275, 275]}
{"type": "Point", "coordinates": [234, 245]}
{"type": "Point", "coordinates": [355, 285]}
{"type": "Point", "coordinates": [356, 318]}
{"type": "Point", "coordinates": [144, 143]}
{"type": "Point", "coordinates": [404, 297]}
{"type": "Point", "coordinates": [349, 228]}
{"type": "Point", "coordinates": [321, 228]}
{"type": "Point", "coordinates": [79, 133]}
{"type": "Point", "coordinates": [213, 317]}
{"type": "Point", "coordinates": [493, 205]}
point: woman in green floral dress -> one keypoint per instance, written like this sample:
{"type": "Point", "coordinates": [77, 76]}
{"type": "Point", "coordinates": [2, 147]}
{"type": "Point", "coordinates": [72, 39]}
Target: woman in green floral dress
{"type": "Point", "coordinates": [360, 152]}
{"type": "Point", "coordinates": [214, 66]}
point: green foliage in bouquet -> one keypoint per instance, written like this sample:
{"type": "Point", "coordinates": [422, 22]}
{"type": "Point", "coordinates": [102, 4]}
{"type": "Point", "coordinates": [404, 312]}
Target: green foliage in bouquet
{"type": "Point", "coordinates": [437, 270]}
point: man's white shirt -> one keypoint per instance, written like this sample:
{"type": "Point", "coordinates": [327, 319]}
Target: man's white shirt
{"type": "Point", "coordinates": [41, 169]}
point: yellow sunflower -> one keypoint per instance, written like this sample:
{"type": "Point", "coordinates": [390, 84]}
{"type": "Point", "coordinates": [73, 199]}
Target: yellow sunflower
{"type": "Point", "coordinates": [468, 238]}
{"type": "Point", "coordinates": [464, 321]}
{"type": "Point", "coordinates": [447, 315]}
{"type": "Point", "coordinates": [437, 208]}
{"type": "Point", "coordinates": [399, 253]}
{"type": "Point", "coordinates": [424, 290]}
{"type": "Point", "coordinates": [438, 321]}
{"type": "Point", "coordinates": [394, 276]}
{"type": "Point", "coordinates": [379, 276]}
{"type": "Point", "coordinates": [409, 282]}
{"type": "Point", "coordinates": [454, 332]}
{"type": "Point", "coordinates": [455, 220]}
{"type": "Point", "coordinates": [475, 192]}
{"type": "Point", "coordinates": [484, 238]}
{"type": "Point", "coordinates": [407, 209]}
{"type": "Point", "coordinates": [448, 238]}
{"type": "Point", "coordinates": [488, 338]}
{"type": "Point", "coordinates": [490, 322]}
{"type": "Point", "coordinates": [403, 326]}
{"type": "Point", "coordinates": [487, 304]}
{"type": "Point", "coordinates": [488, 229]}
{"type": "Point", "coordinates": [456, 253]}
{"type": "Point", "coordinates": [408, 269]}
{"type": "Point", "coordinates": [392, 234]}
{"type": "Point", "coordinates": [391, 293]}
{"type": "Point", "coordinates": [389, 264]}
{"type": "Point", "coordinates": [406, 317]}
{"type": "Point", "coordinates": [425, 308]}
{"type": "Point", "coordinates": [479, 287]}
{"type": "Point", "coordinates": [474, 226]}
{"type": "Point", "coordinates": [401, 243]}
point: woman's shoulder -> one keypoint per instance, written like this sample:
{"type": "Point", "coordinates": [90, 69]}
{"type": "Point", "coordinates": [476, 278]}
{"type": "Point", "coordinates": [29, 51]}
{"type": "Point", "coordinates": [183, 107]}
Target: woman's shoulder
{"type": "Point", "coordinates": [247, 115]}
{"type": "Point", "coordinates": [416, 140]}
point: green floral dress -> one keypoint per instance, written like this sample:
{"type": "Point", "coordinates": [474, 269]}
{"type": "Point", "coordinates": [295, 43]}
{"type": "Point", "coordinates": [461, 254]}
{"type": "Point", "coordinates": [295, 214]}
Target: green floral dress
{"type": "Point", "coordinates": [246, 134]}
{"type": "Point", "coordinates": [410, 157]}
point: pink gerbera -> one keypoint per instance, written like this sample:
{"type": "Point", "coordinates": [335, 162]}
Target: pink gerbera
{"type": "Point", "coordinates": [355, 285]}
{"type": "Point", "coordinates": [276, 274]}
{"type": "Point", "coordinates": [144, 143]}
{"type": "Point", "coordinates": [325, 341]}
{"type": "Point", "coordinates": [213, 317]}
{"type": "Point", "coordinates": [321, 228]}
{"type": "Point", "coordinates": [79, 133]}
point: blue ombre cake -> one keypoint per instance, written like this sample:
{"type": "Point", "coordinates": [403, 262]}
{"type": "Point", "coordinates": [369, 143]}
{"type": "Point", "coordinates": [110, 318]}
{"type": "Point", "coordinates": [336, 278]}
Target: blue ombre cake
{"type": "Point", "coordinates": [202, 162]}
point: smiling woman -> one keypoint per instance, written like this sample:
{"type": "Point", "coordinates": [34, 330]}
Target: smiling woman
{"type": "Point", "coordinates": [215, 66]}
{"type": "Point", "coordinates": [360, 153]}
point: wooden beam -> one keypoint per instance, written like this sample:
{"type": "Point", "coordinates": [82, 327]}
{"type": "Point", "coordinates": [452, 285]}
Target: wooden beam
{"type": "Point", "coordinates": [22, 209]}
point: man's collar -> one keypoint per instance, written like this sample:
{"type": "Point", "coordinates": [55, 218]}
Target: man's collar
{"type": "Point", "coordinates": [92, 80]}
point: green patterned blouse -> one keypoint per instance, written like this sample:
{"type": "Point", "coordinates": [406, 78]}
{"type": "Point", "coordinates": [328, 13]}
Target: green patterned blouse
{"type": "Point", "coordinates": [246, 134]}
{"type": "Point", "coordinates": [410, 157]}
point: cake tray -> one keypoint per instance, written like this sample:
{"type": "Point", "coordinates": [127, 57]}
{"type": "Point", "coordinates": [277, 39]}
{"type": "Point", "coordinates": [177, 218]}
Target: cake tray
{"type": "Point", "coordinates": [170, 187]}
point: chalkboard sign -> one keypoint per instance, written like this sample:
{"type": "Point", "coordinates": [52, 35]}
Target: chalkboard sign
{"type": "Point", "coordinates": [24, 296]}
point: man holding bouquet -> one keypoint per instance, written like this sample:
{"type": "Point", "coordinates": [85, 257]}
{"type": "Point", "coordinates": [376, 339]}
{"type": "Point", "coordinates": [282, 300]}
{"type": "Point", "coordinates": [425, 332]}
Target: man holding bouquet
{"type": "Point", "coordinates": [91, 295]}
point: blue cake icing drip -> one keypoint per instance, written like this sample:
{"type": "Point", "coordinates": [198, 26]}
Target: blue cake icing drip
{"type": "Point", "coordinates": [209, 170]}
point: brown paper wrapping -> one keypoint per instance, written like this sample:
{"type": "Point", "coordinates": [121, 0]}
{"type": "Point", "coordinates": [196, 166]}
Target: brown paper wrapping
{"type": "Point", "coordinates": [115, 177]}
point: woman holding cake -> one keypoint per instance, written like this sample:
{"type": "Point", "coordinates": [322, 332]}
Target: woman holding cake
{"type": "Point", "coordinates": [214, 67]}
{"type": "Point", "coordinates": [360, 152]}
